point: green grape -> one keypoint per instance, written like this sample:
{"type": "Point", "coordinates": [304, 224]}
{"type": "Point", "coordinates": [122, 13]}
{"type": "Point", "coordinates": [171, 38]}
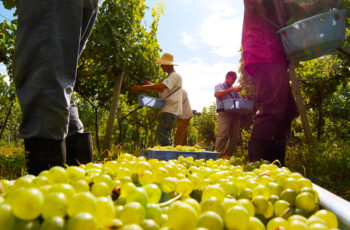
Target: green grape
{"type": "Point", "coordinates": [82, 202]}
{"type": "Point", "coordinates": [210, 220]}
{"type": "Point", "coordinates": [103, 178]}
{"type": "Point", "coordinates": [159, 174]}
{"type": "Point", "coordinates": [214, 205]}
{"type": "Point", "coordinates": [75, 173]}
{"type": "Point", "coordinates": [26, 224]}
{"type": "Point", "coordinates": [274, 188]}
{"type": "Point", "coordinates": [291, 183]}
{"type": "Point", "coordinates": [66, 189]}
{"type": "Point", "coordinates": [7, 219]}
{"type": "Point", "coordinates": [154, 193]}
{"type": "Point", "coordinates": [237, 217]}
{"type": "Point", "coordinates": [213, 191]}
{"type": "Point", "coordinates": [24, 182]}
{"type": "Point", "coordinates": [297, 225]}
{"type": "Point", "coordinates": [229, 188]}
{"type": "Point", "coordinates": [303, 182]}
{"type": "Point", "coordinates": [184, 186]}
{"type": "Point", "coordinates": [328, 217]}
{"type": "Point", "coordinates": [139, 195]}
{"type": "Point", "coordinates": [168, 184]}
{"type": "Point", "coordinates": [195, 179]}
{"type": "Point", "coordinates": [194, 204]}
{"type": "Point", "coordinates": [280, 207]}
{"type": "Point", "coordinates": [26, 203]}
{"type": "Point", "coordinates": [55, 204]}
{"type": "Point", "coordinates": [132, 213]}
{"type": "Point", "coordinates": [289, 195]}
{"type": "Point", "coordinates": [277, 223]}
{"type": "Point", "coordinates": [114, 224]}
{"type": "Point", "coordinates": [261, 190]}
{"type": "Point", "coordinates": [260, 204]}
{"type": "Point", "coordinates": [80, 186]}
{"type": "Point", "coordinates": [182, 216]}
{"type": "Point", "coordinates": [153, 212]}
{"type": "Point", "coordinates": [145, 177]}
{"type": "Point", "coordinates": [82, 221]}
{"type": "Point", "coordinates": [40, 181]}
{"type": "Point", "coordinates": [57, 174]}
{"type": "Point", "coordinates": [131, 227]}
{"type": "Point", "coordinates": [246, 193]}
{"type": "Point", "coordinates": [148, 224]}
{"type": "Point", "coordinates": [105, 211]}
{"type": "Point", "coordinates": [118, 210]}
{"type": "Point", "coordinates": [297, 217]}
{"type": "Point", "coordinates": [255, 224]}
{"type": "Point", "coordinates": [126, 188]}
{"type": "Point", "coordinates": [248, 205]}
{"type": "Point", "coordinates": [229, 202]}
{"type": "Point", "coordinates": [318, 226]}
{"type": "Point", "coordinates": [99, 189]}
{"type": "Point", "coordinates": [53, 223]}
{"type": "Point", "coordinates": [305, 201]}
{"type": "Point", "coordinates": [269, 212]}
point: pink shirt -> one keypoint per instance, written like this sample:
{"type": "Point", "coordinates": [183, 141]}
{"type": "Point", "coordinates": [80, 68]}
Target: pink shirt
{"type": "Point", "coordinates": [260, 42]}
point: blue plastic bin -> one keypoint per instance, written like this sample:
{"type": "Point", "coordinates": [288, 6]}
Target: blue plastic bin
{"type": "Point", "coordinates": [172, 155]}
{"type": "Point", "coordinates": [314, 36]}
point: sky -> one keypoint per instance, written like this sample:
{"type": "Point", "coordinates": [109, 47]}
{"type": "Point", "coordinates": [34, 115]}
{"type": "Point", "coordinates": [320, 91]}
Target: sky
{"type": "Point", "coordinates": [204, 36]}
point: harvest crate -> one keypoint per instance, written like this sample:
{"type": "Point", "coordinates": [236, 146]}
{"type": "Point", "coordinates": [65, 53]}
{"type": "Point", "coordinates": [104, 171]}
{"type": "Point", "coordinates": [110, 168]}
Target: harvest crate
{"type": "Point", "coordinates": [171, 155]}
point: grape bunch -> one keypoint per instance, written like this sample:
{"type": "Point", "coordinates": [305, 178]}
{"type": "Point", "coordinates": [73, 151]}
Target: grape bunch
{"type": "Point", "coordinates": [132, 193]}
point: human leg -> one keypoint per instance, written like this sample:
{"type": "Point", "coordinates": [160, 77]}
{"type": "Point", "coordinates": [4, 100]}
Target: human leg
{"type": "Point", "coordinates": [165, 125]}
{"type": "Point", "coordinates": [273, 95]}
{"type": "Point", "coordinates": [46, 54]}
{"type": "Point", "coordinates": [222, 136]}
{"type": "Point", "coordinates": [235, 125]}
{"type": "Point", "coordinates": [181, 132]}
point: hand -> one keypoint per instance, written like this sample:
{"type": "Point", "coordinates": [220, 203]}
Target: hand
{"type": "Point", "coordinates": [146, 82]}
{"type": "Point", "coordinates": [236, 89]}
{"type": "Point", "coordinates": [136, 88]}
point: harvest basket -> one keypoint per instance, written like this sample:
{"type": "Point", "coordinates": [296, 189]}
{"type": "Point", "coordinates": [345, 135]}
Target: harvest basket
{"type": "Point", "coordinates": [240, 106]}
{"type": "Point", "coordinates": [314, 36]}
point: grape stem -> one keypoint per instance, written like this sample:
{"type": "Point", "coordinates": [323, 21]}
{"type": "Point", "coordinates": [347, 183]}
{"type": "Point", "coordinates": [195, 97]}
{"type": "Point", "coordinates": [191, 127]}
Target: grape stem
{"type": "Point", "coordinates": [285, 212]}
{"type": "Point", "coordinates": [168, 202]}
{"type": "Point", "coordinates": [277, 161]}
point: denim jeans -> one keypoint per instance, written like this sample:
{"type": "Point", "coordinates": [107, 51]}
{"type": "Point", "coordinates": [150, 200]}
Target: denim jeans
{"type": "Point", "coordinates": [50, 37]}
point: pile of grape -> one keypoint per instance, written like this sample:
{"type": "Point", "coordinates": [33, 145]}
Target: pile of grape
{"type": "Point", "coordinates": [133, 193]}
{"type": "Point", "coordinates": [181, 148]}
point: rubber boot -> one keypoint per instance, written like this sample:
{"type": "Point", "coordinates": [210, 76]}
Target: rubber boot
{"type": "Point", "coordinates": [277, 150]}
{"type": "Point", "coordinates": [257, 149]}
{"type": "Point", "coordinates": [44, 153]}
{"type": "Point", "coordinates": [79, 148]}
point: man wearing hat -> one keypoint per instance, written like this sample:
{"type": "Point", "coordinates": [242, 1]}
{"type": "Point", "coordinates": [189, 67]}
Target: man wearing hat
{"type": "Point", "coordinates": [170, 89]}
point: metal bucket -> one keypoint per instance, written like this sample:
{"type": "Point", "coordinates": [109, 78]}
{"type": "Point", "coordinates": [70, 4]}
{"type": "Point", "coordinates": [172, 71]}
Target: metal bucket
{"type": "Point", "coordinates": [315, 36]}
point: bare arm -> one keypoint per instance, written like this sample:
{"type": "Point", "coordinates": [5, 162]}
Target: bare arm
{"type": "Point", "coordinates": [159, 87]}
{"type": "Point", "coordinates": [221, 93]}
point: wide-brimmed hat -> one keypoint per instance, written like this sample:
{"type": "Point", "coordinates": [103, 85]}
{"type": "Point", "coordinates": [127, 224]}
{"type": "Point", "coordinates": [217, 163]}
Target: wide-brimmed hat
{"type": "Point", "coordinates": [166, 59]}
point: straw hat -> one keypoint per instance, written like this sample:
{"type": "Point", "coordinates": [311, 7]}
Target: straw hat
{"type": "Point", "coordinates": [166, 59]}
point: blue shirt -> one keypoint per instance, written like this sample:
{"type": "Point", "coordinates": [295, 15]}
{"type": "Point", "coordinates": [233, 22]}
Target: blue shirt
{"type": "Point", "coordinates": [230, 95]}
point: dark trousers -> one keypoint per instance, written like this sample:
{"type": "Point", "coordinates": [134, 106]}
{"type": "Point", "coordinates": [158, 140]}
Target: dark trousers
{"type": "Point", "coordinates": [275, 97]}
{"type": "Point", "coordinates": [51, 35]}
{"type": "Point", "coordinates": [165, 125]}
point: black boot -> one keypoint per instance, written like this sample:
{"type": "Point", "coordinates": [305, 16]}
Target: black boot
{"type": "Point", "coordinates": [41, 154]}
{"type": "Point", "coordinates": [79, 148]}
{"type": "Point", "coordinates": [257, 149]}
{"type": "Point", "coordinates": [277, 150]}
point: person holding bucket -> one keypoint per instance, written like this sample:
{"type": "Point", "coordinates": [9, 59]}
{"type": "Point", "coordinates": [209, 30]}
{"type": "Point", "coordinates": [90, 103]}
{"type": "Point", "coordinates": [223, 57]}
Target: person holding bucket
{"type": "Point", "coordinates": [171, 90]}
{"type": "Point", "coordinates": [228, 123]}
{"type": "Point", "coordinates": [265, 60]}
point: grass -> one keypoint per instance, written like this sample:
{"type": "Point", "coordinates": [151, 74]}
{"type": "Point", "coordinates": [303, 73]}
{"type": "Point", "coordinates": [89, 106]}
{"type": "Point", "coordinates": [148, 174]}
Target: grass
{"type": "Point", "coordinates": [12, 162]}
